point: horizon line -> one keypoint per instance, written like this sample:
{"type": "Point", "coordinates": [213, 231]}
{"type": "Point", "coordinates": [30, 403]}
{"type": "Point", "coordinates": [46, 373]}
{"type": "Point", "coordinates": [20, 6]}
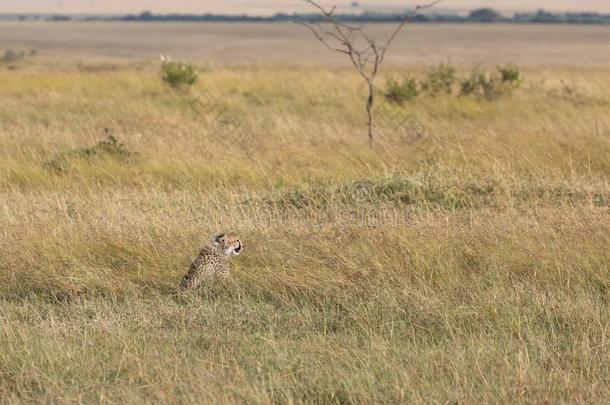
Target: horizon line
{"type": "Point", "coordinates": [281, 13]}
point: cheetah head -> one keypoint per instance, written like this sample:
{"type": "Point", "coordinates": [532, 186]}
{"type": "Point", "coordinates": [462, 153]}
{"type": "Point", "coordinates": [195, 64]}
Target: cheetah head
{"type": "Point", "coordinates": [228, 243]}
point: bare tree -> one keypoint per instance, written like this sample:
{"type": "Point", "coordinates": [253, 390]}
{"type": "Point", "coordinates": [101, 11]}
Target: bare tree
{"type": "Point", "coordinates": [364, 52]}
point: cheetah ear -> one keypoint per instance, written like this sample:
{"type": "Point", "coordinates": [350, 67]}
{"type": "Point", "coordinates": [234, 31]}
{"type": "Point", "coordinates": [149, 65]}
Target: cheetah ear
{"type": "Point", "coordinates": [218, 239]}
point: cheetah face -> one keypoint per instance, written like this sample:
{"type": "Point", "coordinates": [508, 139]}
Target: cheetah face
{"type": "Point", "coordinates": [229, 244]}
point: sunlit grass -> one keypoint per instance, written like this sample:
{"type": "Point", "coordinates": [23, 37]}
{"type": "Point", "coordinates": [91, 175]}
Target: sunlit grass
{"type": "Point", "coordinates": [463, 257]}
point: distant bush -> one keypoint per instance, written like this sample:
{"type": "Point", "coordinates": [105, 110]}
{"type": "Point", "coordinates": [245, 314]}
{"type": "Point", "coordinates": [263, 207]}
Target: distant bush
{"type": "Point", "coordinates": [444, 79]}
{"type": "Point", "coordinates": [492, 85]}
{"type": "Point", "coordinates": [177, 74]}
{"type": "Point", "coordinates": [109, 147]}
{"type": "Point", "coordinates": [478, 83]}
{"type": "Point", "coordinates": [398, 92]}
{"type": "Point", "coordinates": [510, 75]}
{"type": "Point", "coordinates": [440, 79]}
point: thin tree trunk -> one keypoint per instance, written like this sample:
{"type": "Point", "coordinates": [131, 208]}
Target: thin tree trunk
{"type": "Point", "coordinates": [369, 110]}
{"type": "Point", "coordinates": [342, 37]}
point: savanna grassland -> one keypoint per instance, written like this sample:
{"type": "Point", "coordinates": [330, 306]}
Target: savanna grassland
{"type": "Point", "coordinates": [462, 257]}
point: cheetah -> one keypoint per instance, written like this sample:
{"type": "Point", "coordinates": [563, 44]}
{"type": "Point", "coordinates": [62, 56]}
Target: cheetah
{"type": "Point", "coordinates": [213, 261]}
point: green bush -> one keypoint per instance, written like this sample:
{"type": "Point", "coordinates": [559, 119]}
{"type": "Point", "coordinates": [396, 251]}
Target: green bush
{"type": "Point", "coordinates": [178, 75]}
{"type": "Point", "coordinates": [490, 86]}
{"type": "Point", "coordinates": [443, 79]}
{"type": "Point", "coordinates": [440, 79]}
{"type": "Point", "coordinates": [398, 92]}
{"type": "Point", "coordinates": [110, 147]}
{"type": "Point", "coordinates": [510, 75]}
{"type": "Point", "coordinates": [478, 83]}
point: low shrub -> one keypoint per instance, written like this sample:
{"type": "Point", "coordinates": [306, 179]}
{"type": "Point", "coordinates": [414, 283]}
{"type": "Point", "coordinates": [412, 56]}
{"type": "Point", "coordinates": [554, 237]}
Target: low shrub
{"type": "Point", "coordinates": [444, 79]}
{"type": "Point", "coordinates": [109, 147]}
{"type": "Point", "coordinates": [491, 86]}
{"type": "Point", "coordinates": [400, 92]}
{"type": "Point", "coordinates": [440, 79]}
{"type": "Point", "coordinates": [178, 75]}
{"type": "Point", "coordinates": [478, 84]}
{"type": "Point", "coordinates": [510, 75]}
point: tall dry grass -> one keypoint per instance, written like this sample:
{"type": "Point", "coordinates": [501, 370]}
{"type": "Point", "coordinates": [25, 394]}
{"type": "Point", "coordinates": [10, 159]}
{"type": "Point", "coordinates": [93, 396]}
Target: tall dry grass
{"type": "Point", "coordinates": [464, 257]}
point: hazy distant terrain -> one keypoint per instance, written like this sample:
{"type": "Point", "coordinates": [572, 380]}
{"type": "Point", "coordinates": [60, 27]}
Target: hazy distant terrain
{"type": "Point", "coordinates": [288, 43]}
{"type": "Point", "coordinates": [272, 6]}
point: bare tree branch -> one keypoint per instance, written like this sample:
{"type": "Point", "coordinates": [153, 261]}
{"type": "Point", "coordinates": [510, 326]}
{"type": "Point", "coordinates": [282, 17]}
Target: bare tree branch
{"type": "Point", "coordinates": [341, 37]}
{"type": "Point", "coordinates": [406, 18]}
{"type": "Point", "coordinates": [320, 36]}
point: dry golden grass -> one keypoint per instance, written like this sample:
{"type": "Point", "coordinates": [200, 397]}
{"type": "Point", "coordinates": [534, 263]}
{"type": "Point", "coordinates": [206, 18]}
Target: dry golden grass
{"type": "Point", "coordinates": [464, 257]}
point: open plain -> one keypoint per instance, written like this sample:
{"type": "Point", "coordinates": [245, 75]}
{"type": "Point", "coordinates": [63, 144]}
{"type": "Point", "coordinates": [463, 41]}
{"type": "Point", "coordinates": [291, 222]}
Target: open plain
{"type": "Point", "coordinates": [461, 258]}
{"type": "Point", "coordinates": [291, 44]}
